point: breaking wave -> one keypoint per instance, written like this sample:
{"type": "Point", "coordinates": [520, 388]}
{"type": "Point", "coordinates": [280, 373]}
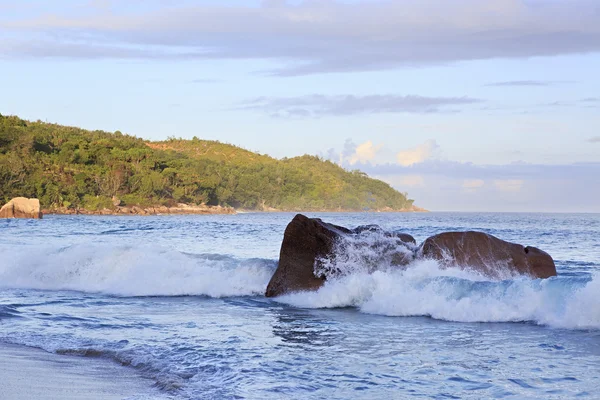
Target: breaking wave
{"type": "Point", "coordinates": [135, 271]}
{"type": "Point", "coordinates": [425, 288]}
{"type": "Point", "coordinates": [456, 295]}
{"type": "Point", "coordinates": [360, 276]}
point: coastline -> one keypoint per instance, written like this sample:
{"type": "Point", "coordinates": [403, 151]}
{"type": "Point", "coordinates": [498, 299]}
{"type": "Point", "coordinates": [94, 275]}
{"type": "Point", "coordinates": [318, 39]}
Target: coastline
{"type": "Point", "coordinates": [184, 209]}
{"type": "Point", "coordinates": [31, 373]}
{"type": "Point", "coordinates": [180, 209]}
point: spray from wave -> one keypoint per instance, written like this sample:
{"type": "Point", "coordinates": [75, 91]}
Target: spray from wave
{"type": "Point", "coordinates": [425, 288]}
{"type": "Point", "coordinates": [135, 271]}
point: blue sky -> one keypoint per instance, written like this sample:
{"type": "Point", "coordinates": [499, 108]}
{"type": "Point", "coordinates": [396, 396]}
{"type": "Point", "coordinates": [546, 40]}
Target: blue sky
{"type": "Point", "coordinates": [464, 104]}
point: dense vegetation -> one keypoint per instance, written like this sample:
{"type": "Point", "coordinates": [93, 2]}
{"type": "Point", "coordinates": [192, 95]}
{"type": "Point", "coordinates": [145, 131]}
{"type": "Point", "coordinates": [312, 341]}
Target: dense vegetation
{"type": "Point", "coordinates": [71, 167]}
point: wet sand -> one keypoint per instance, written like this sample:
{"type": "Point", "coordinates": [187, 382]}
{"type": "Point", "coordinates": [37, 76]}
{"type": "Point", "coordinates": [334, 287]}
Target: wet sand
{"type": "Point", "coordinates": [27, 373]}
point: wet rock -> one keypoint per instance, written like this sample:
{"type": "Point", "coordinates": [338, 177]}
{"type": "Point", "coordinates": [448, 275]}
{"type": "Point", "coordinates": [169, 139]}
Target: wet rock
{"type": "Point", "coordinates": [487, 254]}
{"type": "Point", "coordinates": [305, 241]}
{"type": "Point", "coordinates": [310, 245]}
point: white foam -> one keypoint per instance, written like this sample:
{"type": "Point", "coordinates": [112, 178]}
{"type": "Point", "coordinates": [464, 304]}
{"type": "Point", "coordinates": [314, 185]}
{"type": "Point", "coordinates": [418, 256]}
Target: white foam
{"type": "Point", "coordinates": [133, 271]}
{"type": "Point", "coordinates": [582, 310]}
{"type": "Point", "coordinates": [425, 289]}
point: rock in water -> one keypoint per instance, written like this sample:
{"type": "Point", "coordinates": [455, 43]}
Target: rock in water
{"type": "Point", "coordinates": [307, 242]}
{"type": "Point", "coordinates": [21, 207]}
{"type": "Point", "coordinates": [487, 254]}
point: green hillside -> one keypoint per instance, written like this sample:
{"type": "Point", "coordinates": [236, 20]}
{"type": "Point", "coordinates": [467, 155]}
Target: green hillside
{"type": "Point", "coordinates": [71, 167]}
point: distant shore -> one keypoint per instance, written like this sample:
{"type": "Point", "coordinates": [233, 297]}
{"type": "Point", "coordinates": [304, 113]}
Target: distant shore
{"type": "Point", "coordinates": [180, 209]}
{"type": "Point", "coordinates": [185, 209]}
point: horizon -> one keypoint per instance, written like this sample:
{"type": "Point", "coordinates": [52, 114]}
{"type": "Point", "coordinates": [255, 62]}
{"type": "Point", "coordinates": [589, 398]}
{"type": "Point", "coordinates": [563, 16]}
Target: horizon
{"type": "Point", "coordinates": [468, 107]}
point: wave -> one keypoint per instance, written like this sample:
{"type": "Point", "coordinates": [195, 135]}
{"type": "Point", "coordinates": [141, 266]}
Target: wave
{"type": "Point", "coordinates": [423, 288]}
{"type": "Point", "coordinates": [363, 275]}
{"type": "Point", "coordinates": [8, 311]}
{"type": "Point", "coordinates": [134, 271]}
{"type": "Point", "coordinates": [426, 289]}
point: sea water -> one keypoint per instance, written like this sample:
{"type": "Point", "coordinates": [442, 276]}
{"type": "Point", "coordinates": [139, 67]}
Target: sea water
{"type": "Point", "coordinates": [180, 300]}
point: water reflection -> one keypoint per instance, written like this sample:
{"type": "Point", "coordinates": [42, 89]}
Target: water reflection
{"type": "Point", "coordinates": [305, 328]}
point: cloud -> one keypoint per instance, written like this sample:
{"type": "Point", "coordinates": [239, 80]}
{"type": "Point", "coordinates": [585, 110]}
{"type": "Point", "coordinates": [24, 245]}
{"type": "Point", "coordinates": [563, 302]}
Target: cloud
{"type": "Point", "coordinates": [591, 100]}
{"type": "Point", "coordinates": [318, 105]}
{"type": "Point", "coordinates": [467, 170]}
{"type": "Point", "coordinates": [509, 185]}
{"type": "Point", "coordinates": [353, 154]}
{"type": "Point", "coordinates": [513, 187]}
{"type": "Point", "coordinates": [364, 152]}
{"type": "Point", "coordinates": [595, 139]}
{"type": "Point", "coordinates": [308, 37]}
{"type": "Point", "coordinates": [418, 154]}
{"type": "Point", "coordinates": [440, 184]}
{"type": "Point", "coordinates": [526, 83]}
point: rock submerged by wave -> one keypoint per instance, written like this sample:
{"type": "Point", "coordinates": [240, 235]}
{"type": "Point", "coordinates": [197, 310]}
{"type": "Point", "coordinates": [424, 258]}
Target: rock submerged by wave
{"type": "Point", "coordinates": [308, 244]}
{"type": "Point", "coordinates": [487, 254]}
{"type": "Point", "coordinates": [305, 241]}
{"type": "Point", "coordinates": [311, 247]}
{"type": "Point", "coordinates": [21, 207]}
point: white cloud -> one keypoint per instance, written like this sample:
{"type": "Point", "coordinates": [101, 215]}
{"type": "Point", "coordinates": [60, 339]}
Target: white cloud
{"type": "Point", "coordinates": [509, 185]}
{"type": "Point", "coordinates": [364, 152]}
{"type": "Point", "coordinates": [418, 154]}
{"type": "Point", "coordinates": [352, 154]}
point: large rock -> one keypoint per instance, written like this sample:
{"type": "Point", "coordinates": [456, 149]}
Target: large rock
{"type": "Point", "coordinates": [310, 242]}
{"type": "Point", "coordinates": [487, 254]}
{"type": "Point", "coordinates": [304, 242]}
{"type": "Point", "coordinates": [21, 207]}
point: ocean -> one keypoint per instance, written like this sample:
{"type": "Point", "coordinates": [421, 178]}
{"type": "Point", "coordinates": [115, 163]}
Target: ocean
{"type": "Point", "coordinates": [179, 299]}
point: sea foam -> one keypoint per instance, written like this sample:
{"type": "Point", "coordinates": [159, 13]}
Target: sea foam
{"type": "Point", "coordinates": [134, 271]}
{"type": "Point", "coordinates": [425, 288]}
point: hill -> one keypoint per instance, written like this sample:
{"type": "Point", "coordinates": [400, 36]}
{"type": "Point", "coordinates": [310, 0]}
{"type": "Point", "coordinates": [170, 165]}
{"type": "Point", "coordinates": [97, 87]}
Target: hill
{"type": "Point", "coordinates": [68, 167]}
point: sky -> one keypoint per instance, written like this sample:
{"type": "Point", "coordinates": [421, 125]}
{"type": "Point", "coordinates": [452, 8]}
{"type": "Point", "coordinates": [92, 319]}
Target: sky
{"type": "Point", "coordinates": [466, 105]}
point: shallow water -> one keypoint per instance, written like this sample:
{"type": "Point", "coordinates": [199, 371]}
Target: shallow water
{"type": "Point", "coordinates": [179, 298]}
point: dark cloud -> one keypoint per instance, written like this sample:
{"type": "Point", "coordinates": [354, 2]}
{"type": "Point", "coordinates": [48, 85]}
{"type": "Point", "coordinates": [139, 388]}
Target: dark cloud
{"type": "Point", "coordinates": [315, 36]}
{"type": "Point", "coordinates": [595, 139]}
{"type": "Point", "coordinates": [318, 105]}
{"type": "Point", "coordinates": [525, 83]}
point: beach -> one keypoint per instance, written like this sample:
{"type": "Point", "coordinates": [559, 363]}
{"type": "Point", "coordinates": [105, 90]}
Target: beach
{"type": "Point", "coordinates": [28, 373]}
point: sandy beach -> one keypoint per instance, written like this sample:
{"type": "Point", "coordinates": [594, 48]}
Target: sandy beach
{"type": "Point", "coordinates": [28, 373]}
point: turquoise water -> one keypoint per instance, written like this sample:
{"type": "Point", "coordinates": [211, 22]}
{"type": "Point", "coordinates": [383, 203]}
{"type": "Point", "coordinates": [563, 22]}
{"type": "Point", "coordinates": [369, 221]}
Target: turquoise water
{"type": "Point", "coordinates": [179, 298]}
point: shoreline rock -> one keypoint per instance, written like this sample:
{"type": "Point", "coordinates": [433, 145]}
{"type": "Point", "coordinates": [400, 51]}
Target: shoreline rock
{"type": "Point", "coordinates": [21, 207]}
